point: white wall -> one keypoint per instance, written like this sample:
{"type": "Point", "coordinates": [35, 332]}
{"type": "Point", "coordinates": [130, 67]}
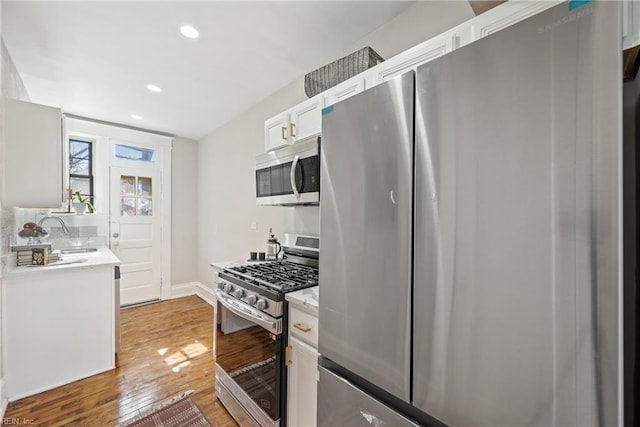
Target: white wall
{"type": "Point", "coordinates": [226, 191]}
{"type": "Point", "coordinates": [184, 216]}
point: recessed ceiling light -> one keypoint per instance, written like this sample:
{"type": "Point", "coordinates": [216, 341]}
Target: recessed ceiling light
{"type": "Point", "coordinates": [136, 116]}
{"type": "Point", "coordinates": [189, 31]}
{"type": "Point", "coordinates": [154, 88]}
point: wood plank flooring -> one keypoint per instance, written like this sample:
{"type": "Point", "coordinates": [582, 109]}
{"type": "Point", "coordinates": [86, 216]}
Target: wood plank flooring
{"type": "Point", "coordinates": [167, 348]}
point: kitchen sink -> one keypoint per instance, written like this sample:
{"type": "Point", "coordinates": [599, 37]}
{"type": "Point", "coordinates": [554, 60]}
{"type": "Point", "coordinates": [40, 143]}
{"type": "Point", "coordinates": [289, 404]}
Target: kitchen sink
{"type": "Point", "coordinates": [78, 250]}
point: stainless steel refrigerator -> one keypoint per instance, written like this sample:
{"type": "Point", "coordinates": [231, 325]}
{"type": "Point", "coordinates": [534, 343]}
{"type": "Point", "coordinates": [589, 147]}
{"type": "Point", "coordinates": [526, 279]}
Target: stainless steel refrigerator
{"type": "Point", "coordinates": [470, 232]}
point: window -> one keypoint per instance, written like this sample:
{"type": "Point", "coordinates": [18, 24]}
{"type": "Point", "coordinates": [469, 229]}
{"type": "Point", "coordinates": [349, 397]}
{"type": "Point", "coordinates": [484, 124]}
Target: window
{"type": "Point", "coordinates": [135, 153]}
{"type": "Point", "coordinates": [81, 168]}
{"type": "Point", "coordinates": [135, 195]}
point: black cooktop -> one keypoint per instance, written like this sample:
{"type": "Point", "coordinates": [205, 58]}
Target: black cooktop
{"type": "Point", "coordinates": [282, 275]}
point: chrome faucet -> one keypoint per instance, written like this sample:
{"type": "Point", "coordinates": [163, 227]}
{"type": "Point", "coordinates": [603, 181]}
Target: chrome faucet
{"type": "Point", "coordinates": [64, 226]}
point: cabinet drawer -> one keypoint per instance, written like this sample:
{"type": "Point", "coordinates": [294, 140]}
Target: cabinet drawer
{"type": "Point", "coordinates": [303, 326]}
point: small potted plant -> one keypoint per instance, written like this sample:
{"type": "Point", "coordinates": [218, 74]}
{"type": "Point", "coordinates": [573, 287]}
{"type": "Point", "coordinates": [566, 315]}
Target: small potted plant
{"type": "Point", "coordinates": [80, 203]}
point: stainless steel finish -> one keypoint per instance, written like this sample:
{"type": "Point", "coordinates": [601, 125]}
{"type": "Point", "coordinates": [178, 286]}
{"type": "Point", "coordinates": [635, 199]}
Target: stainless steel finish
{"type": "Point", "coordinates": [290, 241]}
{"type": "Point", "coordinates": [16, 248]}
{"type": "Point", "coordinates": [516, 225]}
{"type": "Point", "coordinates": [292, 176]}
{"type": "Point", "coordinates": [303, 198]}
{"type": "Point", "coordinates": [78, 250]}
{"type": "Point", "coordinates": [367, 151]}
{"type": "Point", "coordinates": [273, 308]}
{"type": "Point", "coordinates": [247, 312]}
{"type": "Point", "coordinates": [57, 218]}
{"type": "Point", "coordinates": [239, 293]}
{"type": "Point", "coordinates": [306, 148]}
{"type": "Point", "coordinates": [116, 293]}
{"type": "Point", "coordinates": [251, 299]}
{"type": "Point", "coordinates": [300, 150]}
{"type": "Point", "coordinates": [343, 404]}
{"type": "Point", "coordinates": [241, 407]}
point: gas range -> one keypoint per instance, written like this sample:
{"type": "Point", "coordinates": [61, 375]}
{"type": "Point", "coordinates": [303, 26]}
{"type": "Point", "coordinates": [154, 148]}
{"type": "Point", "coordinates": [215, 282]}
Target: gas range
{"type": "Point", "coordinates": [285, 276]}
{"type": "Point", "coordinates": [251, 338]}
{"type": "Point", "coordinates": [262, 284]}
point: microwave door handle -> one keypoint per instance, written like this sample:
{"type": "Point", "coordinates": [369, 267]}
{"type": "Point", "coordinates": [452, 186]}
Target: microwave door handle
{"type": "Point", "coordinates": [249, 313]}
{"type": "Point", "coordinates": [294, 167]}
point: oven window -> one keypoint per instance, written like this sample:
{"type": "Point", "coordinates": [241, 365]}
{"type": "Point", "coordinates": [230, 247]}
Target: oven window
{"type": "Point", "coordinates": [252, 358]}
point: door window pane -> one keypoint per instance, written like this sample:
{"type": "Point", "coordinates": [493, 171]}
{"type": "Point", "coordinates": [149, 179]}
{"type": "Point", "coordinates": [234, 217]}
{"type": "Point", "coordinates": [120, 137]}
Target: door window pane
{"type": "Point", "coordinates": [127, 185]}
{"type": "Point", "coordinates": [128, 206]}
{"type": "Point", "coordinates": [135, 153]}
{"type": "Point", "coordinates": [144, 186]}
{"type": "Point", "coordinates": [135, 195]}
{"type": "Point", "coordinates": [144, 207]}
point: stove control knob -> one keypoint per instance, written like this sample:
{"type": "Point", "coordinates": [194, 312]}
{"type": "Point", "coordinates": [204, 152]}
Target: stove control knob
{"type": "Point", "coordinates": [261, 304]}
{"type": "Point", "coordinates": [252, 299]}
{"type": "Point", "coordinates": [239, 293]}
{"type": "Point", "coordinates": [228, 287]}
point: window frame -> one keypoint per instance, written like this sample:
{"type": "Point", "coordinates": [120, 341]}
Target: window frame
{"type": "Point", "coordinates": [90, 176]}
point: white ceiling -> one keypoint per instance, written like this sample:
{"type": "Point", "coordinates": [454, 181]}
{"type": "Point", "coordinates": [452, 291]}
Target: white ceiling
{"type": "Point", "coordinates": [94, 59]}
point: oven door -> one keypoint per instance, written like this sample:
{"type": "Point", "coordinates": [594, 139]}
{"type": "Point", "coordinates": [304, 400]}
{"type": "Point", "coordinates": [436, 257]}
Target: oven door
{"type": "Point", "coordinates": [249, 366]}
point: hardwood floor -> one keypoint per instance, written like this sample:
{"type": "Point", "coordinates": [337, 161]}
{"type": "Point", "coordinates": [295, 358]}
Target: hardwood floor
{"type": "Point", "coordinates": [167, 348]}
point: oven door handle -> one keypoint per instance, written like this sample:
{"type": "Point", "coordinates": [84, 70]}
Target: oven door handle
{"type": "Point", "coordinates": [247, 312]}
{"type": "Point", "coordinates": [292, 175]}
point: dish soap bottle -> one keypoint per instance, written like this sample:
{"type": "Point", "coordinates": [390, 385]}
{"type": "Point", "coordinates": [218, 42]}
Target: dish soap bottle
{"type": "Point", "coordinates": [273, 246]}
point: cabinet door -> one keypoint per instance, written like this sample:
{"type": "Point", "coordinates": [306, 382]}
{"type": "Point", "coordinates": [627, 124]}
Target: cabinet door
{"type": "Point", "coordinates": [344, 90]}
{"type": "Point", "coordinates": [33, 155]}
{"type": "Point", "coordinates": [507, 14]}
{"type": "Point", "coordinates": [302, 388]}
{"type": "Point", "coordinates": [276, 132]}
{"type": "Point", "coordinates": [306, 119]}
{"type": "Point", "coordinates": [412, 58]}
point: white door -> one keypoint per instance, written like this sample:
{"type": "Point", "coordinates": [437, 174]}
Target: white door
{"type": "Point", "coordinates": [136, 232]}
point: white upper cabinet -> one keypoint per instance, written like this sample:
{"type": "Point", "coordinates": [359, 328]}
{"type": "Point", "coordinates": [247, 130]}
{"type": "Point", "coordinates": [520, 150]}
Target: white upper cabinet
{"type": "Point", "coordinates": [35, 176]}
{"type": "Point", "coordinates": [507, 14]}
{"type": "Point", "coordinates": [420, 54]}
{"type": "Point", "coordinates": [300, 122]}
{"type": "Point", "coordinates": [344, 90]}
{"type": "Point", "coordinates": [276, 132]}
{"type": "Point", "coordinates": [305, 119]}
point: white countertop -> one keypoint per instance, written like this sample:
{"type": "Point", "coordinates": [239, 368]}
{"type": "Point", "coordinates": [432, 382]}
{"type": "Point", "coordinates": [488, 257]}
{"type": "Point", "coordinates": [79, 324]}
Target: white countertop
{"type": "Point", "coordinates": [306, 298]}
{"type": "Point", "coordinates": [103, 257]}
{"type": "Point", "coordinates": [220, 265]}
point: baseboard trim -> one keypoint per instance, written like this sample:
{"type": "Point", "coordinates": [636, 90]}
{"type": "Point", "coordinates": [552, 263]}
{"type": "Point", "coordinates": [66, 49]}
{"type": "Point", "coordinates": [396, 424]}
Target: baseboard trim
{"type": "Point", "coordinates": [206, 294]}
{"type": "Point", "coordinates": [183, 289]}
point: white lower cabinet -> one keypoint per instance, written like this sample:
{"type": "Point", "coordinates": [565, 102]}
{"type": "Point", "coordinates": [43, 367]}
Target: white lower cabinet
{"type": "Point", "coordinates": [302, 387]}
{"type": "Point", "coordinates": [302, 361]}
{"type": "Point", "coordinates": [58, 327]}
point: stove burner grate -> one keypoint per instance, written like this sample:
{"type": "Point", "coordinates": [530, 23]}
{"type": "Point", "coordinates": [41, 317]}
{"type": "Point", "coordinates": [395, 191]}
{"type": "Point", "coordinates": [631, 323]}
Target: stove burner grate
{"type": "Point", "coordinates": [283, 275]}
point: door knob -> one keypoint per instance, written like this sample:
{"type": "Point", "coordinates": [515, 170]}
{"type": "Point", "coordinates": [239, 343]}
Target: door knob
{"type": "Point", "coordinates": [116, 235]}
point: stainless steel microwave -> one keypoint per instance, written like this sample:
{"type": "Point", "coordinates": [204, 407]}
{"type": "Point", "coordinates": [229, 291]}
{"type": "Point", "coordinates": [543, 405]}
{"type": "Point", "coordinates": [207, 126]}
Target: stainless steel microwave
{"type": "Point", "coordinates": [289, 175]}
